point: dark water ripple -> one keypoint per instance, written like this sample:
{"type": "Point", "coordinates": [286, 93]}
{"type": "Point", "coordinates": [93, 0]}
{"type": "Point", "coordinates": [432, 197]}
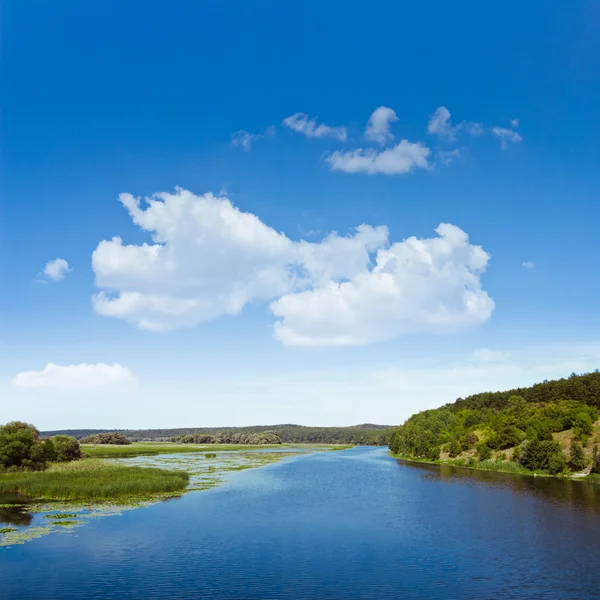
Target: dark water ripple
{"type": "Point", "coordinates": [354, 524]}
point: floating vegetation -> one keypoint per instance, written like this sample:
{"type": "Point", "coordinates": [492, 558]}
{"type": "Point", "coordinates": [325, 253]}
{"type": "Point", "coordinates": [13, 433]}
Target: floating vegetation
{"type": "Point", "coordinates": [76, 506]}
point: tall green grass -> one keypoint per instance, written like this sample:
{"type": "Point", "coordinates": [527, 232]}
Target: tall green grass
{"type": "Point", "coordinates": [94, 479]}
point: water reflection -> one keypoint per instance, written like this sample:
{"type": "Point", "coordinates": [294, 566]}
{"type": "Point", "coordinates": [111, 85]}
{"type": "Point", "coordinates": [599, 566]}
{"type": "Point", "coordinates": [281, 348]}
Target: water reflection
{"type": "Point", "coordinates": [577, 493]}
{"type": "Point", "coordinates": [12, 511]}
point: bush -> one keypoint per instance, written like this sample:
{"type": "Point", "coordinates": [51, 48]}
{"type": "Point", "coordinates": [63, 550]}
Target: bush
{"type": "Point", "coordinates": [21, 448]}
{"type": "Point", "coordinates": [109, 437]}
{"type": "Point", "coordinates": [556, 463]}
{"type": "Point", "coordinates": [577, 458]}
{"type": "Point", "coordinates": [484, 452]}
{"type": "Point", "coordinates": [66, 448]}
{"type": "Point", "coordinates": [595, 461]}
{"type": "Point", "coordinates": [582, 425]}
{"type": "Point", "coordinates": [542, 455]}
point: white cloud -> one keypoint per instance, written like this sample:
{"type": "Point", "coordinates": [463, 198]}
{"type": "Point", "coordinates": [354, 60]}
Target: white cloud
{"type": "Point", "coordinates": [56, 269]}
{"type": "Point", "coordinates": [439, 124]}
{"type": "Point", "coordinates": [209, 259]}
{"type": "Point", "coordinates": [300, 123]}
{"type": "Point", "coordinates": [77, 378]}
{"type": "Point", "coordinates": [514, 123]}
{"type": "Point", "coordinates": [378, 126]}
{"type": "Point", "coordinates": [506, 136]}
{"type": "Point", "coordinates": [402, 158]}
{"type": "Point", "coordinates": [418, 285]}
{"type": "Point", "coordinates": [449, 156]}
{"type": "Point", "coordinates": [528, 264]}
{"type": "Point", "coordinates": [244, 139]}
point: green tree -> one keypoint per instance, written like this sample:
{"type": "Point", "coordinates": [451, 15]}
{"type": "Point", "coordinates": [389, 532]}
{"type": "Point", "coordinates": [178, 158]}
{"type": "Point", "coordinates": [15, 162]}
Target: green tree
{"type": "Point", "coordinates": [582, 425]}
{"type": "Point", "coordinates": [66, 448]}
{"type": "Point", "coordinates": [595, 461]}
{"type": "Point", "coordinates": [542, 455]}
{"type": "Point", "coordinates": [557, 463]}
{"type": "Point", "coordinates": [20, 447]}
{"type": "Point", "coordinates": [577, 458]}
{"type": "Point", "coordinates": [483, 451]}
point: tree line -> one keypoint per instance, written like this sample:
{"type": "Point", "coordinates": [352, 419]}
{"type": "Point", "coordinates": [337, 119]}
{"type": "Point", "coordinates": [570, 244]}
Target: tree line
{"type": "Point", "coordinates": [365, 434]}
{"type": "Point", "coordinates": [519, 425]}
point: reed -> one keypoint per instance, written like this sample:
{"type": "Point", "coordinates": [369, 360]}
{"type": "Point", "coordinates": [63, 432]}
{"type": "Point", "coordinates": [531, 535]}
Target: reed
{"type": "Point", "coordinates": [94, 479]}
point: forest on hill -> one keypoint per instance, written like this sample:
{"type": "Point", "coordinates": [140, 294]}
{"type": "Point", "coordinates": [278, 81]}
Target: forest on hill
{"type": "Point", "coordinates": [550, 427]}
{"type": "Point", "coordinates": [366, 434]}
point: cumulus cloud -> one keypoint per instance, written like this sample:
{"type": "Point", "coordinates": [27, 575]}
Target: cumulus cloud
{"type": "Point", "coordinates": [506, 136]}
{"type": "Point", "coordinates": [528, 264]}
{"type": "Point", "coordinates": [78, 378]}
{"type": "Point", "coordinates": [209, 259]}
{"type": "Point", "coordinates": [244, 139]}
{"type": "Point", "coordinates": [56, 269]}
{"type": "Point", "coordinates": [418, 285]}
{"type": "Point", "coordinates": [439, 124]}
{"type": "Point", "coordinates": [301, 123]}
{"type": "Point", "coordinates": [514, 123]}
{"type": "Point", "coordinates": [378, 126]}
{"type": "Point", "coordinates": [402, 158]}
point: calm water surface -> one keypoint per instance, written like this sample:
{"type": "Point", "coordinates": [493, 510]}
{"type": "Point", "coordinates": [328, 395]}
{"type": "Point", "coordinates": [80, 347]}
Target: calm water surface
{"type": "Point", "coordinates": [351, 524]}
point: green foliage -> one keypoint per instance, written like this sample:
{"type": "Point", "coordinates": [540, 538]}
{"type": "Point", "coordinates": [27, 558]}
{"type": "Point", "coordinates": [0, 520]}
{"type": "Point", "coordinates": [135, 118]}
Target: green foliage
{"type": "Point", "coordinates": [543, 455]}
{"type": "Point", "coordinates": [109, 437]}
{"type": "Point", "coordinates": [484, 452]}
{"type": "Point", "coordinates": [366, 434]}
{"type": "Point", "coordinates": [21, 447]}
{"type": "Point", "coordinates": [524, 419]}
{"type": "Point", "coordinates": [576, 458]}
{"type": "Point", "coordinates": [93, 479]}
{"type": "Point", "coordinates": [251, 439]}
{"type": "Point", "coordinates": [66, 448]}
{"type": "Point", "coordinates": [595, 461]}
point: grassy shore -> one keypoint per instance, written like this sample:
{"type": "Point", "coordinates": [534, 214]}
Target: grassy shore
{"type": "Point", "coordinates": [94, 480]}
{"type": "Point", "coordinates": [500, 466]}
{"type": "Point", "coordinates": [153, 448]}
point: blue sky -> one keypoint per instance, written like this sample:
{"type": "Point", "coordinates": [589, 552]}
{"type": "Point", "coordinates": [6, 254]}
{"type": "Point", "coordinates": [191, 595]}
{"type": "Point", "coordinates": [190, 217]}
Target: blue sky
{"type": "Point", "coordinates": [245, 307]}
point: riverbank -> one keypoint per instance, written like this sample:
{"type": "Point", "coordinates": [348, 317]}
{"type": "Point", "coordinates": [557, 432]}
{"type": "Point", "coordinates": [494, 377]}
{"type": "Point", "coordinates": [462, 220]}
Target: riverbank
{"type": "Point", "coordinates": [499, 466]}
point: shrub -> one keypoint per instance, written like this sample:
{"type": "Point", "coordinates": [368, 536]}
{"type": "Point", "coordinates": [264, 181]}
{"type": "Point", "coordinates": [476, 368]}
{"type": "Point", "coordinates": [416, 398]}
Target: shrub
{"type": "Point", "coordinates": [21, 448]}
{"type": "Point", "coordinates": [543, 455]}
{"type": "Point", "coordinates": [577, 458]}
{"type": "Point", "coordinates": [582, 425]}
{"type": "Point", "coordinates": [556, 463]}
{"type": "Point", "coordinates": [66, 448]}
{"type": "Point", "coordinates": [455, 448]}
{"type": "Point", "coordinates": [484, 452]}
{"type": "Point", "coordinates": [595, 461]}
{"type": "Point", "coordinates": [109, 437]}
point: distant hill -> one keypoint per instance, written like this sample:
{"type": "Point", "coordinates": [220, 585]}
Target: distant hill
{"type": "Point", "coordinates": [365, 434]}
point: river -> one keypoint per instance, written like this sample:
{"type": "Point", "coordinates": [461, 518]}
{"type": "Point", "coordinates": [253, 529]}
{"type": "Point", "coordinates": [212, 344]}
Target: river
{"type": "Point", "coordinates": [338, 525]}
